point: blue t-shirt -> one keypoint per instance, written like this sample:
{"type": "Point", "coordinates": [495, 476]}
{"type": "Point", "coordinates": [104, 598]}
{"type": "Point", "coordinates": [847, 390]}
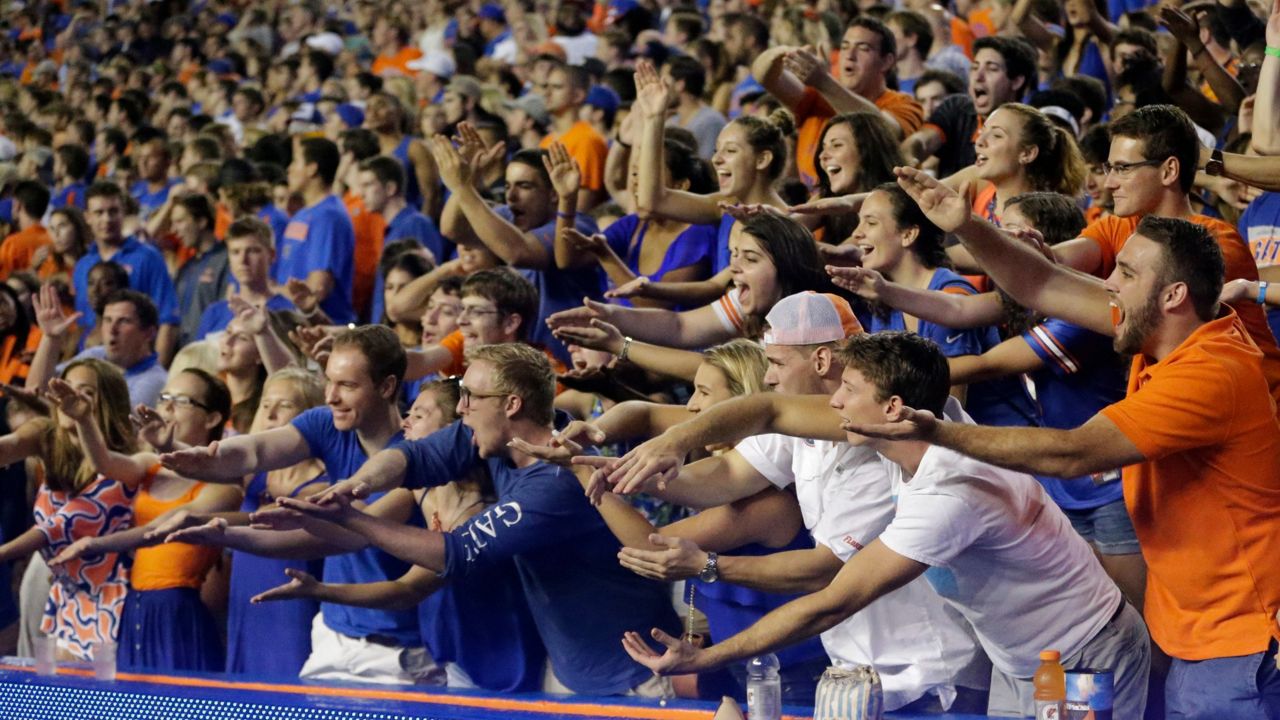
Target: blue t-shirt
{"type": "Point", "coordinates": [408, 223]}
{"type": "Point", "coordinates": [218, 315]}
{"type": "Point", "coordinates": [1003, 401]}
{"type": "Point", "coordinates": [558, 289]}
{"type": "Point", "coordinates": [1081, 375]}
{"type": "Point", "coordinates": [149, 201]}
{"type": "Point", "coordinates": [722, 244]}
{"type": "Point", "coordinates": [342, 455]}
{"type": "Point", "coordinates": [320, 237]}
{"type": "Point", "coordinates": [412, 193]}
{"type": "Point", "coordinates": [72, 194]}
{"type": "Point", "coordinates": [148, 274]}
{"type": "Point", "coordinates": [696, 244]}
{"type": "Point", "coordinates": [1260, 227]}
{"type": "Point", "coordinates": [582, 600]}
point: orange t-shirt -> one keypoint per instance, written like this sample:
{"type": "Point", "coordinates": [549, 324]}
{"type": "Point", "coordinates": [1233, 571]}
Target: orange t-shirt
{"type": "Point", "coordinates": [586, 146]}
{"type": "Point", "coordinates": [17, 249]}
{"type": "Point", "coordinates": [1111, 233]}
{"type": "Point", "coordinates": [962, 35]}
{"type": "Point", "coordinates": [453, 342]}
{"type": "Point", "coordinates": [169, 565]}
{"type": "Point", "coordinates": [11, 365]}
{"type": "Point", "coordinates": [397, 64]}
{"type": "Point", "coordinates": [984, 203]}
{"type": "Point", "coordinates": [1206, 503]}
{"type": "Point", "coordinates": [813, 112]}
{"type": "Point", "coordinates": [221, 221]}
{"type": "Point", "coordinates": [370, 233]}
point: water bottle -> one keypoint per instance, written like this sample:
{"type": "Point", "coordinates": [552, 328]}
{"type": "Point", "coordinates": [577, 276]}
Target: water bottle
{"type": "Point", "coordinates": [764, 688]}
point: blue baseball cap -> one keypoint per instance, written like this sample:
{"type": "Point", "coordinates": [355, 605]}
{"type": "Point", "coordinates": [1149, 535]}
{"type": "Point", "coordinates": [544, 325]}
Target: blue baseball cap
{"type": "Point", "coordinates": [603, 98]}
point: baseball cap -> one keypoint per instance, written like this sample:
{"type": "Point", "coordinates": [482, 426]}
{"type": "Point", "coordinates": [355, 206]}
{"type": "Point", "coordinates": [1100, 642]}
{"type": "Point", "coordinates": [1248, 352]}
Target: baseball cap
{"type": "Point", "coordinates": [326, 42]}
{"type": "Point", "coordinates": [435, 62]}
{"type": "Point", "coordinates": [532, 105]}
{"type": "Point", "coordinates": [352, 116]}
{"type": "Point", "coordinates": [466, 86]}
{"type": "Point", "coordinates": [492, 11]}
{"type": "Point", "coordinates": [603, 98]}
{"type": "Point", "coordinates": [810, 318]}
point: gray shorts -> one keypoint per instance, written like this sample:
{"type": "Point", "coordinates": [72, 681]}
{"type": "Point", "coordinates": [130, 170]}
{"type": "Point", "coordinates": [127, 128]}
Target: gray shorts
{"type": "Point", "coordinates": [1121, 646]}
{"type": "Point", "coordinates": [1107, 528]}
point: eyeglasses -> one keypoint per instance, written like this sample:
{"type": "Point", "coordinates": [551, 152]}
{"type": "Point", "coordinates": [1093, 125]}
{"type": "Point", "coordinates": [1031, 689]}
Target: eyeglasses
{"type": "Point", "coordinates": [444, 309]}
{"type": "Point", "coordinates": [467, 312]}
{"type": "Point", "coordinates": [465, 395]}
{"type": "Point", "coordinates": [181, 401]}
{"type": "Point", "coordinates": [1123, 169]}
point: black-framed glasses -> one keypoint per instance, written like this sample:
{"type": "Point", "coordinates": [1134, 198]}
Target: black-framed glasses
{"type": "Point", "coordinates": [465, 395]}
{"type": "Point", "coordinates": [182, 401]}
{"type": "Point", "coordinates": [470, 312]}
{"type": "Point", "coordinates": [1123, 169]}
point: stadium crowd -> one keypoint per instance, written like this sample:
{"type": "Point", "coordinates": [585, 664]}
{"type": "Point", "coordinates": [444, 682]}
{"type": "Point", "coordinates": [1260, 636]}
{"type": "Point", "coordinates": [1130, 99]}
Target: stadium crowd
{"type": "Point", "coordinates": [543, 345]}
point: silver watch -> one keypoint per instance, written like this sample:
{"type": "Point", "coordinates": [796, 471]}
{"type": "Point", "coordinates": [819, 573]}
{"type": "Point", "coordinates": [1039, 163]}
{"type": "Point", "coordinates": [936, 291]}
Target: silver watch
{"type": "Point", "coordinates": [711, 571]}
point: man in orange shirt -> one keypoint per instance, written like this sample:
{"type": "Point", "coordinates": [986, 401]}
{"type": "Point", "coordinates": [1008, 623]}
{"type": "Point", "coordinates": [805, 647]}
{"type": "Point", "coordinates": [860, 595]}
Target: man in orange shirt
{"type": "Point", "coordinates": [30, 199]}
{"type": "Point", "coordinates": [567, 87]}
{"type": "Point", "coordinates": [1153, 160]}
{"type": "Point", "coordinates": [1197, 437]}
{"type": "Point", "coordinates": [868, 53]}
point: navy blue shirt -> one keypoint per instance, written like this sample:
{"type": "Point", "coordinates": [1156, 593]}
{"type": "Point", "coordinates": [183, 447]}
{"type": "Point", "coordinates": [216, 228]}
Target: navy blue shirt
{"type": "Point", "coordinates": [1081, 375]}
{"type": "Point", "coordinates": [342, 455]}
{"type": "Point", "coordinates": [582, 600]}
{"type": "Point", "coordinates": [408, 223]}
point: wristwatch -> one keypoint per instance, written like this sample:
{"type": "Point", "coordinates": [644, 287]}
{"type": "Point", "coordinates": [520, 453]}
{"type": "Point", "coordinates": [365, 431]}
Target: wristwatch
{"type": "Point", "coordinates": [711, 571]}
{"type": "Point", "coordinates": [1214, 166]}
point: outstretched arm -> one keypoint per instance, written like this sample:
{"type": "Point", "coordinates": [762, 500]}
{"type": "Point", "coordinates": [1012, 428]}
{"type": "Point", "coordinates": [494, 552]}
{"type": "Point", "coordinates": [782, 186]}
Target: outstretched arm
{"type": "Point", "coordinates": [228, 461]}
{"type": "Point", "coordinates": [652, 194]}
{"type": "Point", "coordinates": [403, 593]}
{"type": "Point", "coordinates": [872, 573]}
{"type": "Point", "coordinates": [1029, 277]}
{"type": "Point", "coordinates": [947, 309]}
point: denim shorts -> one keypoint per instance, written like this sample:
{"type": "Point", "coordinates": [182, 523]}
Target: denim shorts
{"type": "Point", "coordinates": [1106, 527]}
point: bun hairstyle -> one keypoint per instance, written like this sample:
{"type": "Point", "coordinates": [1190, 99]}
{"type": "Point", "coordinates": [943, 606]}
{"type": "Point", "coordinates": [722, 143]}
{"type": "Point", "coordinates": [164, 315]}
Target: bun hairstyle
{"type": "Point", "coordinates": [771, 135]}
{"type": "Point", "coordinates": [1058, 167]}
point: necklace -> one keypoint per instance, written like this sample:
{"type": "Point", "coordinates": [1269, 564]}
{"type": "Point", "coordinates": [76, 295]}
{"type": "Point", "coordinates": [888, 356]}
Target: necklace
{"type": "Point", "coordinates": [690, 636]}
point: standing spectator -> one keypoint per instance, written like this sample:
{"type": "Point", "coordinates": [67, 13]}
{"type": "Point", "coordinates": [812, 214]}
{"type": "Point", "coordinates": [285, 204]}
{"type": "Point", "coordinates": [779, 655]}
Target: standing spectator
{"type": "Point", "coordinates": [154, 184]}
{"type": "Point", "coordinates": [688, 81]}
{"type": "Point", "coordinates": [319, 242]}
{"type": "Point", "coordinates": [202, 279]}
{"type": "Point", "coordinates": [30, 199]}
{"type": "Point", "coordinates": [567, 87]}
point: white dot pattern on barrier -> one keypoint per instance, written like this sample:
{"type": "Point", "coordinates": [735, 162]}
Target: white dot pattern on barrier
{"type": "Point", "coordinates": [36, 702]}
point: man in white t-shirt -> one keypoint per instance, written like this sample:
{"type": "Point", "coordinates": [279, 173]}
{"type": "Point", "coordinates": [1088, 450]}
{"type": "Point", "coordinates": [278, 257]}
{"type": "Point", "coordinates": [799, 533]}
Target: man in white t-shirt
{"type": "Point", "coordinates": [990, 541]}
{"type": "Point", "coordinates": [927, 657]}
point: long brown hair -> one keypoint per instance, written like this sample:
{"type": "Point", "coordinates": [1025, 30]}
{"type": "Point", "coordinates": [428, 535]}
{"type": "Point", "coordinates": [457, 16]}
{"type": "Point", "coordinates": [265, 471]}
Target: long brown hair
{"type": "Point", "coordinates": [67, 469]}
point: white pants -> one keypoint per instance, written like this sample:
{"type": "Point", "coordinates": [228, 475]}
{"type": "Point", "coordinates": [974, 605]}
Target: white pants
{"type": "Point", "coordinates": [335, 656]}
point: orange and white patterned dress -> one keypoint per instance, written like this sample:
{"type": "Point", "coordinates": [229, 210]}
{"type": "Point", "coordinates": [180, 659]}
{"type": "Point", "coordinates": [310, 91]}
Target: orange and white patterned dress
{"type": "Point", "coordinates": [87, 595]}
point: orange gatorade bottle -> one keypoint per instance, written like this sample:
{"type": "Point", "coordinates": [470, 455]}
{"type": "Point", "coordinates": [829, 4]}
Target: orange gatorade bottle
{"type": "Point", "coordinates": [1050, 683]}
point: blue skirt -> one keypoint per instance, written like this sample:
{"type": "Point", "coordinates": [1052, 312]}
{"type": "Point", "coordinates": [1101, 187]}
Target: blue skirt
{"type": "Point", "coordinates": [272, 639]}
{"type": "Point", "coordinates": [168, 630]}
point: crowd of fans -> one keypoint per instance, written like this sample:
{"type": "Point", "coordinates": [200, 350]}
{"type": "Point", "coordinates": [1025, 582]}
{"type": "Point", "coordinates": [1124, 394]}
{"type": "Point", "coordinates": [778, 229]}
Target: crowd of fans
{"type": "Point", "coordinates": [551, 346]}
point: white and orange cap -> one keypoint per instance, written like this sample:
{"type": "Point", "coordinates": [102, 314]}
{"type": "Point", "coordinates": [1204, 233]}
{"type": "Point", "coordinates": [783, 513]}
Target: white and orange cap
{"type": "Point", "coordinates": [810, 318]}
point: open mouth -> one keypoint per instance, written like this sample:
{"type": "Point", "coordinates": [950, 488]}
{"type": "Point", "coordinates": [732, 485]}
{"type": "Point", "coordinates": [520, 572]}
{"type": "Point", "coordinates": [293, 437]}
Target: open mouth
{"type": "Point", "coordinates": [1117, 314]}
{"type": "Point", "coordinates": [725, 178]}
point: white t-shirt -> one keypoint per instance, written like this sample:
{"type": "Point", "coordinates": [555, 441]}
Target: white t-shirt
{"type": "Point", "coordinates": [913, 639]}
{"type": "Point", "coordinates": [1004, 555]}
{"type": "Point", "coordinates": [577, 47]}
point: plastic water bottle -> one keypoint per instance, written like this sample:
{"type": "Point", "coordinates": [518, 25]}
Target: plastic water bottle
{"type": "Point", "coordinates": [764, 688]}
{"type": "Point", "coordinates": [1050, 682]}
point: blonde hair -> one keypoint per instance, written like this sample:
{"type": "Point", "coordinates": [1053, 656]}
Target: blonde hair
{"type": "Point", "coordinates": [523, 371]}
{"type": "Point", "coordinates": [1059, 166]}
{"type": "Point", "coordinates": [67, 469]}
{"type": "Point", "coordinates": [306, 383]}
{"type": "Point", "coordinates": [743, 363]}
{"type": "Point", "coordinates": [201, 355]}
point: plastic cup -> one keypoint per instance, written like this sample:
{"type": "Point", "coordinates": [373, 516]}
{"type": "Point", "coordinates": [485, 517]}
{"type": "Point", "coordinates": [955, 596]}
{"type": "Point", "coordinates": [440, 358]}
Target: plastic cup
{"type": "Point", "coordinates": [46, 649]}
{"type": "Point", "coordinates": [104, 661]}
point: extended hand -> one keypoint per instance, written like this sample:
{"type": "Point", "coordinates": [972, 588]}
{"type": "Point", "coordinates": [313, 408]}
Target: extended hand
{"type": "Point", "coordinates": [658, 461]}
{"type": "Point", "coordinates": [74, 404]}
{"type": "Point", "coordinates": [904, 424]}
{"type": "Point", "coordinates": [680, 656]}
{"type": "Point", "coordinates": [49, 315]}
{"type": "Point", "coordinates": [653, 97]}
{"type": "Point", "coordinates": [579, 316]}
{"type": "Point", "coordinates": [301, 585]}
{"type": "Point", "coordinates": [251, 317]}
{"type": "Point", "coordinates": [213, 532]}
{"type": "Point", "coordinates": [681, 559]}
{"type": "Point", "coordinates": [1238, 290]}
{"type": "Point", "coordinates": [864, 283]}
{"type": "Point", "coordinates": [193, 462]}
{"type": "Point", "coordinates": [566, 178]}
{"type": "Point", "coordinates": [596, 335]}
{"type": "Point", "coordinates": [635, 287]}
{"type": "Point", "coordinates": [76, 550]}
{"type": "Point", "coordinates": [943, 206]}
{"type": "Point", "coordinates": [343, 492]}
{"type": "Point", "coordinates": [152, 428]}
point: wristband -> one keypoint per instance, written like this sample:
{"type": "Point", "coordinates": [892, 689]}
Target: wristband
{"type": "Point", "coordinates": [626, 348]}
{"type": "Point", "coordinates": [566, 216]}
{"type": "Point", "coordinates": [1262, 292]}
{"type": "Point", "coordinates": [1273, 52]}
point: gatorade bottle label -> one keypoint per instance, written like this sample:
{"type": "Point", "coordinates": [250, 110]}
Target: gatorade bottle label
{"type": "Point", "coordinates": [1048, 710]}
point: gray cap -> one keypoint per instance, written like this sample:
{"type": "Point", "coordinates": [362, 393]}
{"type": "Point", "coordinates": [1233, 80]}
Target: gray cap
{"type": "Point", "coordinates": [533, 105]}
{"type": "Point", "coordinates": [466, 86]}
